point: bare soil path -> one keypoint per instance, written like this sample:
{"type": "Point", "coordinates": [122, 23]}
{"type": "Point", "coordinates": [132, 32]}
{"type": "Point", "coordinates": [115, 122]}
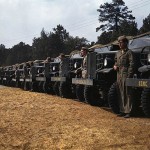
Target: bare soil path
{"type": "Point", "coordinates": [38, 121]}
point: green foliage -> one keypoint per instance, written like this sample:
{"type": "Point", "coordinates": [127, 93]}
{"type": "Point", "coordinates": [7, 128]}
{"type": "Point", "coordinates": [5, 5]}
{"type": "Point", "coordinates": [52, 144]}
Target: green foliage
{"type": "Point", "coordinates": [112, 15]}
{"type": "Point", "coordinates": [126, 28]}
{"type": "Point", "coordinates": [105, 38]}
{"type": "Point", "coordinates": [146, 25]}
{"type": "Point", "coordinates": [55, 42]}
{"type": "Point", "coordinates": [40, 46]}
{"type": "Point", "coordinates": [19, 53]}
{"type": "Point", "coordinates": [3, 54]}
{"type": "Point", "coordinates": [75, 43]}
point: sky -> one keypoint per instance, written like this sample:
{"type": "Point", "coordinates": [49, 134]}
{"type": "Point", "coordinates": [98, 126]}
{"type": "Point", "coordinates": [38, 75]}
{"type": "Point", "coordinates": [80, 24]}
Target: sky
{"type": "Point", "coordinates": [22, 20]}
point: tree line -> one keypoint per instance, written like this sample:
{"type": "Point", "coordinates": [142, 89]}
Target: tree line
{"type": "Point", "coordinates": [115, 20]}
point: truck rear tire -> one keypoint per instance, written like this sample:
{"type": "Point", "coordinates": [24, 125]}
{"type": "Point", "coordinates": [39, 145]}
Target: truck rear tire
{"type": "Point", "coordinates": [65, 90]}
{"type": "Point", "coordinates": [80, 92]}
{"type": "Point", "coordinates": [145, 101]}
{"type": "Point", "coordinates": [92, 96]}
{"type": "Point", "coordinates": [47, 87]}
{"type": "Point", "coordinates": [113, 99]}
{"type": "Point", "coordinates": [56, 88]}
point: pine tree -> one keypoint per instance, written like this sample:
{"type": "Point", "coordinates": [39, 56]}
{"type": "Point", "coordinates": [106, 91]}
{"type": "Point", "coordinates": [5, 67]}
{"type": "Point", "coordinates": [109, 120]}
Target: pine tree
{"type": "Point", "coordinates": [113, 14]}
{"type": "Point", "coordinates": [146, 25]}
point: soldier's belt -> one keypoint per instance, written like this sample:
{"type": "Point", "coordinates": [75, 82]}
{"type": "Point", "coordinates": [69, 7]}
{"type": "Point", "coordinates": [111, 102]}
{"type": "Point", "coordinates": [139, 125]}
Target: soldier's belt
{"type": "Point", "coordinates": [82, 81]}
{"type": "Point", "coordinates": [60, 79]}
{"type": "Point", "coordinates": [145, 83]}
{"type": "Point", "coordinates": [123, 67]}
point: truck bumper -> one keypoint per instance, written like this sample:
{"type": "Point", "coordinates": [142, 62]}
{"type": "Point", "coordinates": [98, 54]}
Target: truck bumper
{"type": "Point", "coordinates": [60, 79]}
{"type": "Point", "coordinates": [82, 81]}
{"type": "Point", "coordinates": [143, 83]}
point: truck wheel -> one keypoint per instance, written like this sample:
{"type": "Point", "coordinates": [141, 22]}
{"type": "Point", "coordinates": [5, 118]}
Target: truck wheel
{"type": "Point", "coordinates": [11, 83]}
{"type": "Point", "coordinates": [80, 93]}
{"type": "Point", "coordinates": [26, 86]}
{"type": "Point", "coordinates": [34, 86]}
{"type": "Point", "coordinates": [113, 99]}
{"type": "Point", "coordinates": [65, 90]}
{"type": "Point", "coordinates": [56, 88]}
{"type": "Point", "coordinates": [92, 96]}
{"type": "Point", "coordinates": [47, 87]}
{"type": "Point", "coordinates": [40, 86]}
{"type": "Point", "coordinates": [136, 102]}
{"type": "Point", "coordinates": [22, 85]}
{"type": "Point", "coordinates": [145, 101]}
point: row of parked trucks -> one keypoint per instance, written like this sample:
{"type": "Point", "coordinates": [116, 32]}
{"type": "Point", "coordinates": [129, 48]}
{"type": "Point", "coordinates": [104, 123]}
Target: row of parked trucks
{"type": "Point", "coordinates": [99, 87]}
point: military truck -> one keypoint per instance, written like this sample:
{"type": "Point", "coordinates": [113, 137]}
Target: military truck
{"type": "Point", "coordinates": [24, 75]}
{"type": "Point", "coordinates": [54, 69]}
{"type": "Point", "coordinates": [1, 74]}
{"type": "Point", "coordinates": [18, 77]}
{"type": "Point", "coordinates": [26, 78]}
{"type": "Point", "coordinates": [39, 75]}
{"type": "Point", "coordinates": [7, 75]}
{"type": "Point", "coordinates": [67, 69]}
{"type": "Point", "coordinates": [140, 83]}
{"type": "Point", "coordinates": [100, 75]}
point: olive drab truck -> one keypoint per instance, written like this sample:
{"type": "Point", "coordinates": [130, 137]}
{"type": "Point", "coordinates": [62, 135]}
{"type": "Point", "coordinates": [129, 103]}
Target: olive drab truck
{"type": "Point", "coordinates": [40, 76]}
{"type": "Point", "coordinates": [1, 74]}
{"type": "Point", "coordinates": [140, 83]}
{"type": "Point", "coordinates": [100, 75]}
{"type": "Point", "coordinates": [6, 75]}
{"type": "Point", "coordinates": [54, 68]}
{"type": "Point", "coordinates": [67, 68]}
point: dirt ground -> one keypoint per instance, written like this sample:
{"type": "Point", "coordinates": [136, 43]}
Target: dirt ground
{"type": "Point", "coordinates": [38, 121]}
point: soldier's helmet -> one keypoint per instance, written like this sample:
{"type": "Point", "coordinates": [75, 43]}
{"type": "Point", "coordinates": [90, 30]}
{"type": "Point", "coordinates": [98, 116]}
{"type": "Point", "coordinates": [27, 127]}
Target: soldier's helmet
{"type": "Point", "coordinates": [61, 56]}
{"type": "Point", "coordinates": [84, 48]}
{"type": "Point", "coordinates": [123, 38]}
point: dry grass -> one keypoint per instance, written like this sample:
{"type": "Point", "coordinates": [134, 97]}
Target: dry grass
{"type": "Point", "coordinates": [36, 121]}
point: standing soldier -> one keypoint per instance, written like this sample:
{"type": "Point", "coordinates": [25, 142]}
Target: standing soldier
{"type": "Point", "coordinates": [64, 65]}
{"type": "Point", "coordinates": [17, 75]}
{"type": "Point", "coordinates": [82, 70]}
{"type": "Point", "coordinates": [33, 77]}
{"type": "Point", "coordinates": [124, 65]}
{"type": "Point", "coordinates": [46, 71]}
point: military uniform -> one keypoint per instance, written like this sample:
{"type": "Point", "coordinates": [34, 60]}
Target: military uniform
{"type": "Point", "coordinates": [25, 71]}
{"type": "Point", "coordinates": [17, 76]}
{"type": "Point", "coordinates": [82, 71]}
{"type": "Point", "coordinates": [64, 67]}
{"type": "Point", "coordinates": [125, 68]}
{"type": "Point", "coordinates": [83, 67]}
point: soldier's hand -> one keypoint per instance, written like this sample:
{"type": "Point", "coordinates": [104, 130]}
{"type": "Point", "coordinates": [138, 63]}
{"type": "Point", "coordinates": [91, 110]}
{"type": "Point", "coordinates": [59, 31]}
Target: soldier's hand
{"type": "Point", "coordinates": [115, 67]}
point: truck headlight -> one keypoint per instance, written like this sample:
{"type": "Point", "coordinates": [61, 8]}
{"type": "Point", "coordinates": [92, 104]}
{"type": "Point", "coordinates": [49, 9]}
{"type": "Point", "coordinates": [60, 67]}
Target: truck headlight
{"type": "Point", "coordinates": [38, 71]}
{"type": "Point", "coordinates": [105, 62]}
{"type": "Point", "coordinates": [108, 62]}
{"type": "Point", "coordinates": [54, 68]}
{"type": "Point", "coordinates": [149, 58]}
{"type": "Point", "coordinates": [75, 65]}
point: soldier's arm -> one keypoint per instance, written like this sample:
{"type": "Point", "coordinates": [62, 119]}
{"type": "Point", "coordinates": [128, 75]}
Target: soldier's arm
{"type": "Point", "coordinates": [131, 64]}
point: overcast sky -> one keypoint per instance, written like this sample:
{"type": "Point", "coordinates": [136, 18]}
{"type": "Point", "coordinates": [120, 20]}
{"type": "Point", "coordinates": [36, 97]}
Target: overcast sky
{"type": "Point", "coordinates": [22, 20]}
